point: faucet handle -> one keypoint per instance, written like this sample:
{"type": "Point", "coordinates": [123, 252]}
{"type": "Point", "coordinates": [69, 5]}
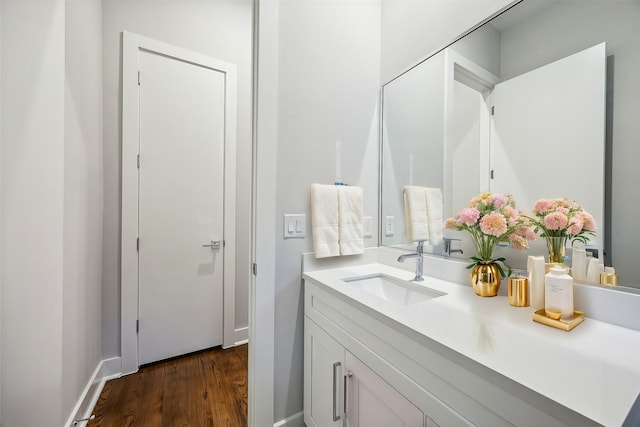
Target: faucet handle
{"type": "Point", "coordinates": [447, 245]}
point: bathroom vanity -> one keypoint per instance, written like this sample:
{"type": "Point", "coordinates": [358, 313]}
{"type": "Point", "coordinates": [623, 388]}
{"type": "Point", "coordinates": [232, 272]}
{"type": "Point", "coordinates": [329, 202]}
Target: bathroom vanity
{"type": "Point", "coordinates": [382, 350]}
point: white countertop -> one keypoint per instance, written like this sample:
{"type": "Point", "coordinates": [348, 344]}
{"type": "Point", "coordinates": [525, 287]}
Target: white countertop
{"type": "Point", "coordinates": [594, 369]}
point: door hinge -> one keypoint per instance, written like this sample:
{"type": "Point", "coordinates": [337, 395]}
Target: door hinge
{"type": "Point", "coordinates": [491, 176]}
{"type": "Point", "coordinates": [138, 78]}
{"type": "Point", "coordinates": [138, 244]}
{"type": "Point", "coordinates": [254, 269]}
{"type": "Point", "coordinates": [138, 161]}
{"type": "Point", "coordinates": [493, 110]}
{"type": "Point", "coordinates": [137, 325]}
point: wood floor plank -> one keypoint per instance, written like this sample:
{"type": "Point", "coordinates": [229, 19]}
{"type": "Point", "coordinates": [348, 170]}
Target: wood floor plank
{"type": "Point", "coordinates": [217, 390]}
{"type": "Point", "coordinates": [152, 393]}
{"type": "Point", "coordinates": [175, 385]}
{"type": "Point", "coordinates": [237, 384]}
{"type": "Point", "coordinates": [205, 389]}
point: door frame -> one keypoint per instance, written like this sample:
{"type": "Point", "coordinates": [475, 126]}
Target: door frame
{"type": "Point", "coordinates": [129, 269]}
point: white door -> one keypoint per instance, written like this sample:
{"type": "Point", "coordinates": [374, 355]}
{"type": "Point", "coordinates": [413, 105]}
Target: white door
{"type": "Point", "coordinates": [181, 123]}
{"type": "Point", "coordinates": [540, 118]}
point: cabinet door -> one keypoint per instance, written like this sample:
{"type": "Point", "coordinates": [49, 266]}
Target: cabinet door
{"type": "Point", "coordinates": [372, 402]}
{"type": "Point", "coordinates": [323, 378]}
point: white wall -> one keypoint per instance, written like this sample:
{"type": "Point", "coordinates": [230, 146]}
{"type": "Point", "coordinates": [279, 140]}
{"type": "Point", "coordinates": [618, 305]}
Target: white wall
{"type": "Point", "coordinates": [414, 29]}
{"type": "Point", "coordinates": [51, 207]}
{"type": "Point", "coordinates": [83, 183]}
{"type": "Point", "coordinates": [218, 28]}
{"type": "Point", "coordinates": [327, 89]}
{"type": "Point", "coordinates": [482, 47]}
{"type": "Point", "coordinates": [33, 66]}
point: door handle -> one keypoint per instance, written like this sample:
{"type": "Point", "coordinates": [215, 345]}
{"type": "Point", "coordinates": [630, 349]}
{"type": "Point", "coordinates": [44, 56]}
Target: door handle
{"type": "Point", "coordinates": [215, 244]}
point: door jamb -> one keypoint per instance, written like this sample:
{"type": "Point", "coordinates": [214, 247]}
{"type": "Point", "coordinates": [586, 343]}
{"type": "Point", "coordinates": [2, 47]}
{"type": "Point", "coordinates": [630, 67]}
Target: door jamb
{"type": "Point", "coordinates": [131, 45]}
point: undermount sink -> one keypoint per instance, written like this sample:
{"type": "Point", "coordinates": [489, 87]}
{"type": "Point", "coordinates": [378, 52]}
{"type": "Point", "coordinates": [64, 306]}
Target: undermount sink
{"type": "Point", "coordinates": [391, 289]}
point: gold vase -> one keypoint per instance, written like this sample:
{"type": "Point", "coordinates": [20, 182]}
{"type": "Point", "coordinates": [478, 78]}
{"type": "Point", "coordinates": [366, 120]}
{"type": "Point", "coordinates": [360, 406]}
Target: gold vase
{"type": "Point", "coordinates": [485, 279]}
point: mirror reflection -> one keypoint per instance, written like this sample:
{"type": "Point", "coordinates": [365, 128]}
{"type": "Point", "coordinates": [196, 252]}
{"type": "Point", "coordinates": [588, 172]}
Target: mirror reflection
{"type": "Point", "coordinates": [539, 103]}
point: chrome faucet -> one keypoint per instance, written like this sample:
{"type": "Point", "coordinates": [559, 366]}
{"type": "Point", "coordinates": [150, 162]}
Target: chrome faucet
{"type": "Point", "coordinates": [418, 256]}
{"type": "Point", "coordinates": [447, 247]}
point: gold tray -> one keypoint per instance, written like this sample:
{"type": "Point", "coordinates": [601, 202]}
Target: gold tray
{"type": "Point", "coordinates": [564, 324]}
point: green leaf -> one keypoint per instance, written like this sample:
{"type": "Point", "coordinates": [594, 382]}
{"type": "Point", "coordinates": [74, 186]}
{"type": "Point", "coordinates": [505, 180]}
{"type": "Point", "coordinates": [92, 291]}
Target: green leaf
{"type": "Point", "coordinates": [500, 269]}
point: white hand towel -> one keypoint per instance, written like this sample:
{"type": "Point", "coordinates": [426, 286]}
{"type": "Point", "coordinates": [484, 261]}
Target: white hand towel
{"type": "Point", "coordinates": [324, 220]}
{"type": "Point", "coordinates": [350, 220]}
{"type": "Point", "coordinates": [434, 215]}
{"type": "Point", "coordinates": [415, 208]}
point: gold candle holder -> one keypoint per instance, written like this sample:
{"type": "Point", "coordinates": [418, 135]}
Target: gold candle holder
{"type": "Point", "coordinates": [609, 279]}
{"type": "Point", "coordinates": [518, 291]}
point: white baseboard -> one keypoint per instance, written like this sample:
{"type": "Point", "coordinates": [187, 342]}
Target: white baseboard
{"type": "Point", "coordinates": [88, 398]}
{"type": "Point", "coordinates": [240, 337]}
{"type": "Point", "coordinates": [112, 368]}
{"type": "Point", "coordinates": [295, 420]}
{"type": "Point", "coordinates": [107, 369]}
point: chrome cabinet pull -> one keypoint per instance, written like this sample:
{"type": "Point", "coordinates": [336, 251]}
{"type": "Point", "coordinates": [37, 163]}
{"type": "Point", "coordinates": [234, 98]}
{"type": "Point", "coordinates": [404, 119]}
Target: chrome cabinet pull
{"type": "Point", "coordinates": [336, 416]}
{"type": "Point", "coordinates": [344, 389]}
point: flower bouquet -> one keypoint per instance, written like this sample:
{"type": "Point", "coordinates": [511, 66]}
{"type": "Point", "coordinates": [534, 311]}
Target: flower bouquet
{"type": "Point", "coordinates": [557, 221]}
{"type": "Point", "coordinates": [492, 219]}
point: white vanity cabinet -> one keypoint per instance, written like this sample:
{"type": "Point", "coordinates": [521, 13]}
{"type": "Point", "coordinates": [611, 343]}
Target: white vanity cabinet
{"type": "Point", "coordinates": [399, 377]}
{"type": "Point", "coordinates": [341, 390]}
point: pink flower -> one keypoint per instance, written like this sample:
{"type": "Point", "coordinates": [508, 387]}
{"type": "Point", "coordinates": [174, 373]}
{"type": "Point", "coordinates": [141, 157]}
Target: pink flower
{"type": "Point", "coordinates": [499, 201]}
{"type": "Point", "coordinates": [589, 223]}
{"type": "Point", "coordinates": [493, 224]}
{"type": "Point", "coordinates": [468, 216]}
{"type": "Point", "coordinates": [556, 221]}
{"type": "Point", "coordinates": [563, 210]}
{"type": "Point", "coordinates": [544, 205]}
{"type": "Point", "coordinates": [518, 242]}
{"type": "Point", "coordinates": [512, 215]}
{"type": "Point", "coordinates": [450, 224]}
{"type": "Point", "coordinates": [575, 225]}
{"type": "Point", "coordinates": [526, 232]}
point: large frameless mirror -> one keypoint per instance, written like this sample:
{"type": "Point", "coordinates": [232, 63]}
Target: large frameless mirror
{"type": "Point", "coordinates": [539, 102]}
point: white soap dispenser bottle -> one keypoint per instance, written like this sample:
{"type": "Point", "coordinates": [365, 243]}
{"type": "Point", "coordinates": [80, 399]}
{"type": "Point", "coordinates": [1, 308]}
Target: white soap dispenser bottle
{"type": "Point", "coordinates": [558, 292]}
{"type": "Point", "coordinates": [579, 263]}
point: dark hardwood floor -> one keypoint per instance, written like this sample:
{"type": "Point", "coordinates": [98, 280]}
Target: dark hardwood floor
{"type": "Point", "coordinates": [207, 388]}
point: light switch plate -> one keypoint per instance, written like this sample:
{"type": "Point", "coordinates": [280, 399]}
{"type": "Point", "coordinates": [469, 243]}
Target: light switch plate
{"type": "Point", "coordinates": [388, 226]}
{"type": "Point", "coordinates": [294, 226]}
{"type": "Point", "coordinates": [367, 226]}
